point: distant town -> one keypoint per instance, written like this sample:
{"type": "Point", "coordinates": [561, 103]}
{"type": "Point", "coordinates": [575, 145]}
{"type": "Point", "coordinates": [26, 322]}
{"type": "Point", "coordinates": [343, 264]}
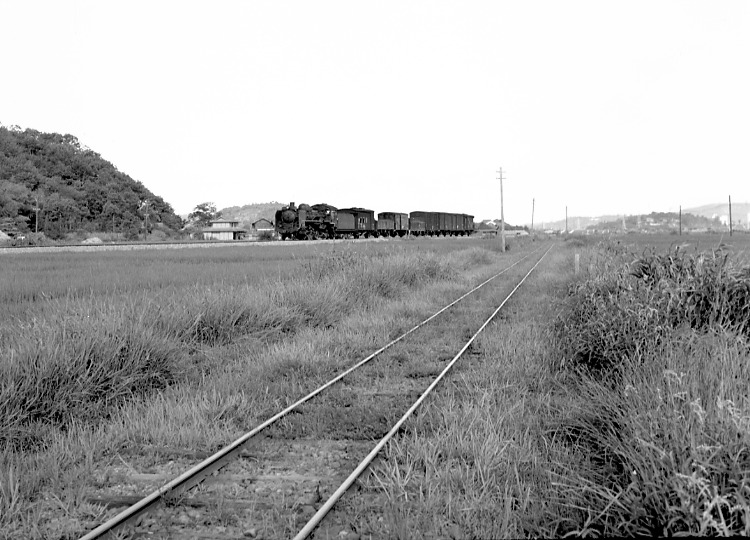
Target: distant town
{"type": "Point", "coordinates": [704, 219]}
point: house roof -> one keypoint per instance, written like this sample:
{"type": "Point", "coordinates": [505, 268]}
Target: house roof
{"type": "Point", "coordinates": [262, 220]}
{"type": "Point", "coordinates": [222, 229]}
{"type": "Point", "coordinates": [225, 221]}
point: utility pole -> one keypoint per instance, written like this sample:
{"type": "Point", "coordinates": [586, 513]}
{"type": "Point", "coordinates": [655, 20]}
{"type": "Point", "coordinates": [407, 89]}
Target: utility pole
{"type": "Point", "coordinates": [680, 220]}
{"type": "Point", "coordinates": [566, 220]}
{"type": "Point", "coordinates": [145, 207]}
{"type": "Point", "coordinates": [532, 214]}
{"type": "Point", "coordinates": [36, 209]}
{"type": "Point", "coordinates": [502, 214]}
{"type": "Point", "coordinates": [730, 215]}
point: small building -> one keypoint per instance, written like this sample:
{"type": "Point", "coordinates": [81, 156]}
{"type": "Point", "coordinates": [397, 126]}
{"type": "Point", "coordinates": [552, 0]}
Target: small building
{"type": "Point", "coordinates": [486, 228]}
{"type": "Point", "coordinates": [263, 225]}
{"type": "Point", "coordinates": [224, 229]}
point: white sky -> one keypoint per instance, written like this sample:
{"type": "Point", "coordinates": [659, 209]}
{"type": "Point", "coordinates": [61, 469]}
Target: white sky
{"type": "Point", "coordinates": [606, 107]}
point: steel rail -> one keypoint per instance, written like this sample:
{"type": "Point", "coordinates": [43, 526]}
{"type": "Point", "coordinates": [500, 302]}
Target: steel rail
{"type": "Point", "coordinates": [216, 461]}
{"type": "Point", "coordinates": [134, 246]}
{"type": "Point", "coordinates": [323, 510]}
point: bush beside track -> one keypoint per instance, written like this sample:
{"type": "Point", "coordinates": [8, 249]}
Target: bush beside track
{"type": "Point", "coordinates": [659, 421]}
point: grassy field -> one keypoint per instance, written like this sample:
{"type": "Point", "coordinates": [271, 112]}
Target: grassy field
{"type": "Point", "coordinates": [612, 402]}
{"type": "Point", "coordinates": [151, 348]}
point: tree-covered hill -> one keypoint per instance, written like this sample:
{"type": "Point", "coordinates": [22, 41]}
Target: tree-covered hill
{"type": "Point", "coordinates": [50, 183]}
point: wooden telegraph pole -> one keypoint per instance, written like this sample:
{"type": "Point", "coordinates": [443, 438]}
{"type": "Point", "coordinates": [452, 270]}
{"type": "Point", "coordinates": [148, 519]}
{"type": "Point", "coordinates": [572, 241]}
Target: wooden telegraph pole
{"type": "Point", "coordinates": [730, 215]}
{"type": "Point", "coordinates": [532, 214]}
{"type": "Point", "coordinates": [502, 214]}
{"type": "Point", "coordinates": [680, 220]}
{"type": "Point", "coordinates": [566, 220]}
{"type": "Point", "coordinates": [36, 209]}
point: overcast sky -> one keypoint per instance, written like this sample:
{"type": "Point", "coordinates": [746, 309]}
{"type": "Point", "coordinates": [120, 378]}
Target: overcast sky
{"type": "Point", "coordinates": [606, 107]}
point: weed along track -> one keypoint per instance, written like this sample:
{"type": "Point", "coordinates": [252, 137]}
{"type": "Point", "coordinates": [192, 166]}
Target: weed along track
{"type": "Point", "coordinates": [282, 477]}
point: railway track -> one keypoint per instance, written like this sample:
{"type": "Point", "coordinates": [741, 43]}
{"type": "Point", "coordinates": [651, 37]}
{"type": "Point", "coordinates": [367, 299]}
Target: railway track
{"type": "Point", "coordinates": [283, 477]}
{"type": "Point", "coordinates": [134, 246]}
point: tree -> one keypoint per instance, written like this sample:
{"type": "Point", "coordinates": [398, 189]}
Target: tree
{"type": "Point", "coordinates": [204, 214]}
{"type": "Point", "coordinates": [12, 198]}
{"type": "Point", "coordinates": [109, 212]}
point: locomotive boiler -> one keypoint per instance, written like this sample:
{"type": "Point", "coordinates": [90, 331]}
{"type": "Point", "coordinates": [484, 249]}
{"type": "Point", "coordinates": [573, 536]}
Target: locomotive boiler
{"type": "Point", "coordinates": [305, 222]}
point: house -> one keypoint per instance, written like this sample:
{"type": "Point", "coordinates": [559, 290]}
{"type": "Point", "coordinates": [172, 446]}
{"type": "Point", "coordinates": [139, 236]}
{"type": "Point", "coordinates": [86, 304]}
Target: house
{"type": "Point", "coordinates": [263, 225]}
{"type": "Point", "coordinates": [224, 229]}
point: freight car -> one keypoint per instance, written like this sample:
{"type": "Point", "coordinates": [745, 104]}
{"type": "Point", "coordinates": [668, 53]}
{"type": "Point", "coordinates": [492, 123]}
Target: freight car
{"type": "Point", "coordinates": [442, 223]}
{"type": "Point", "coordinates": [393, 224]}
{"type": "Point", "coordinates": [356, 222]}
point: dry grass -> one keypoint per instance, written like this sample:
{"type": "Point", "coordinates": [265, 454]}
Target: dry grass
{"type": "Point", "coordinates": [190, 366]}
{"type": "Point", "coordinates": [471, 465]}
{"type": "Point", "coordinates": [657, 433]}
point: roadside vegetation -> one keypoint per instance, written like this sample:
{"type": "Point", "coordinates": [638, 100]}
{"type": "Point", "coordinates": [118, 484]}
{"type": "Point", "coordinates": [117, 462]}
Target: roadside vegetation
{"type": "Point", "coordinates": [661, 426]}
{"type": "Point", "coordinates": [611, 403]}
{"type": "Point", "coordinates": [89, 367]}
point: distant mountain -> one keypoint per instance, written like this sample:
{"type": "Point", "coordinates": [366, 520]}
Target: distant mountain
{"type": "Point", "coordinates": [51, 183]}
{"type": "Point", "coordinates": [250, 213]}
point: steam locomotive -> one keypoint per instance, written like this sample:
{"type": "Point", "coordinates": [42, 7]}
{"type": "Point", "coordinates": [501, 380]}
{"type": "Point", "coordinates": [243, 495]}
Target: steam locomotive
{"type": "Point", "coordinates": [305, 222]}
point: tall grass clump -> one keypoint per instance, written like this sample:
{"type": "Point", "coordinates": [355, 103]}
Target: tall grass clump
{"type": "Point", "coordinates": [217, 316]}
{"type": "Point", "coordinates": [320, 294]}
{"type": "Point", "coordinates": [667, 452]}
{"type": "Point", "coordinates": [478, 256]}
{"type": "Point", "coordinates": [623, 310]}
{"type": "Point", "coordinates": [79, 367]}
{"type": "Point", "coordinates": [655, 435]}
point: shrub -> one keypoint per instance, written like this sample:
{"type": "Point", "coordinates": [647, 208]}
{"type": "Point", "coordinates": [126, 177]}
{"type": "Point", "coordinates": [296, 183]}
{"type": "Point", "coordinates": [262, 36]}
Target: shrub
{"type": "Point", "coordinates": [655, 441]}
{"type": "Point", "coordinates": [266, 236]}
{"type": "Point", "coordinates": [629, 308]}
